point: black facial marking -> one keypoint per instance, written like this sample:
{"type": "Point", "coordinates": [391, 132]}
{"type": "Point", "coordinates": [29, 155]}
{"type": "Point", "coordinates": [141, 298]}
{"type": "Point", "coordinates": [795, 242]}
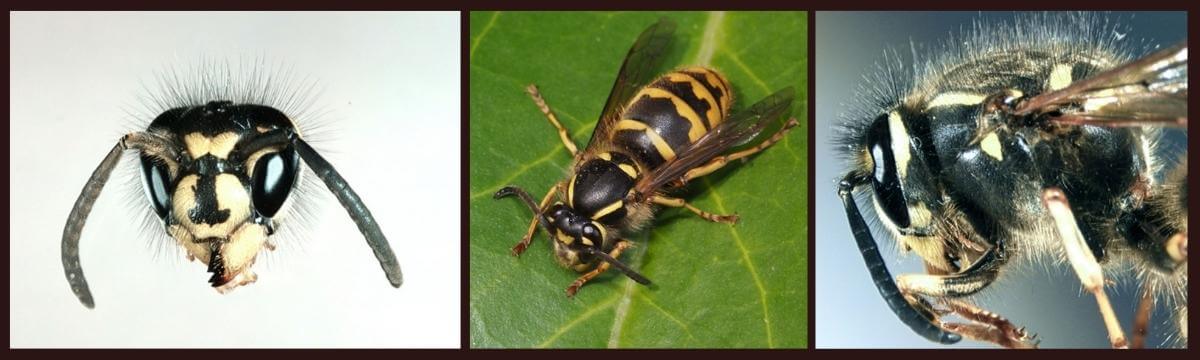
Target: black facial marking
{"type": "Point", "coordinates": [206, 210]}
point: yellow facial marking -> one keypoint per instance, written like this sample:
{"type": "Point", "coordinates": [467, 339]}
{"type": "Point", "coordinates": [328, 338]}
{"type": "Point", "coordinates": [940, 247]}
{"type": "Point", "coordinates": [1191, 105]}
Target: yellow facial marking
{"type": "Point", "coordinates": [659, 144]}
{"type": "Point", "coordinates": [608, 209]}
{"type": "Point", "coordinates": [697, 129]}
{"type": "Point", "coordinates": [243, 247]}
{"type": "Point", "coordinates": [1060, 76]}
{"type": "Point", "coordinates": [954, 98]}
{"type": "Point", "coordinates": [220, 146]}
{"type": "Point", "coordinates": [920, 215]}
{"type": "Point", "coordinates": [587, 242]}
{"type": "Point", "coordinates": [900, 143]}
{"type": "Point", "coordinates": [701, 93]}
{"type": "Point", "coordinates": [991, 146]}
{"type": "Point", "coordinates": [563, 238]}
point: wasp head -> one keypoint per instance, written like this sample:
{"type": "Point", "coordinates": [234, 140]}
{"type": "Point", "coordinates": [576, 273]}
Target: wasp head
{"type": "Point", "coordinates": [228, 176]}
{"type": "Point", "coordinates": [576, 237]}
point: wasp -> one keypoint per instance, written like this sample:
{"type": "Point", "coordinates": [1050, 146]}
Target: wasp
{"type": "Point", "coordinates": [217, 173]}
{"type": "Point", "coordinates": [654, 135]}
{"type": "Point", "coordinates": [1031, 143]}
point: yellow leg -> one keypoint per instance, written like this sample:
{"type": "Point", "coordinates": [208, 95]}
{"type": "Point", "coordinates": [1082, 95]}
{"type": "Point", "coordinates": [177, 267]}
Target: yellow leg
{"type": "Point", "coordinates": [521, 246]}
{"type": "Point", "coordinates": [604, 266]}
{"type": "Point", "coordinates": [1081, 259]}
{"type": "Point", "coordinates": [677, 202]}
{"type": "Point", "coordinates": [720, 161]}
{"type": "Point", "coordinates": [562, 130]}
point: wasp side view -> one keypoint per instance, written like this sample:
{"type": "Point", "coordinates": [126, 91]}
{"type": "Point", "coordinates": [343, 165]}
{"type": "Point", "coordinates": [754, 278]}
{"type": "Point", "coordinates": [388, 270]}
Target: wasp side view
{"type": "Point", "coordinates": [654, 135]}
{"type": "Point", "coordinates": [217, 174]}
{"type": "Point", "coordinates": [1033, 144]}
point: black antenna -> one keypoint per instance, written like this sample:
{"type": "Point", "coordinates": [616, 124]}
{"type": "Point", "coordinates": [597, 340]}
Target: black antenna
{"type": "Point", "coordinates": [919, 321]}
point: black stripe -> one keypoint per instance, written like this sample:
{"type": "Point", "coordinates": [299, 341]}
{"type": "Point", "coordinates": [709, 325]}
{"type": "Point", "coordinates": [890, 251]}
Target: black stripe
{"type": "Point", "coordinates": [661, 115]}
{"type": "Point", "coordinates": [637, 143]}
{"type": "Point", "coordinates": [715, 89]}
{"type": "Point", "coordinates": [686, 93]}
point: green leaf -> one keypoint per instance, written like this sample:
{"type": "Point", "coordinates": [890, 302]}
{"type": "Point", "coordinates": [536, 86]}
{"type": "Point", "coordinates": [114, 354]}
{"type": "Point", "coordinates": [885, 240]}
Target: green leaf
{"type": "Point", "coordinates": [715, 285]}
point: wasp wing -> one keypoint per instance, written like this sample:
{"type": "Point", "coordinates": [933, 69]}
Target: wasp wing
{"type": "Point", "coordinates": [737, 130]}
{"type": "Point", "coordinates": [1149, 90]}
{"type": "Point", "coordinates": [639, 68]}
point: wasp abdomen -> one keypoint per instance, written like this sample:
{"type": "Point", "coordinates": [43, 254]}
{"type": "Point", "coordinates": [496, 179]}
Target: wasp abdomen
{"type": "Point", "coordinates": [672, 112]}
{"type": "Point", "coordinates": [600, 185]}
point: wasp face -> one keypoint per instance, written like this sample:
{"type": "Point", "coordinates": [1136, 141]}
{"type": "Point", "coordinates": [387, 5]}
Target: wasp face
{"type": "Point", "coordinates": [574, 235]}
{"type": "Point", "coordinates": [905, 189]}
{"type": "Point", "coordinates": [218, 196]}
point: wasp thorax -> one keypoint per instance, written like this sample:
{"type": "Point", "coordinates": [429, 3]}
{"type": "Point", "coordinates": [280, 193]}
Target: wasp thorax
{"type": "Point", "coordinates": [226, 181]}
{"type": "Point", "coordinates": [575, 237]}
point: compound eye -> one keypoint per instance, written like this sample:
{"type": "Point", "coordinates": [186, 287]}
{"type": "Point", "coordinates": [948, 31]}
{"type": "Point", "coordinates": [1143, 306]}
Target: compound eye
{"type": "Point", "coordinates": [885, 179]}
{"type": "Point", "coordinates": [157, 182]}
{"type": "Point", "coordinates": [273, 178]}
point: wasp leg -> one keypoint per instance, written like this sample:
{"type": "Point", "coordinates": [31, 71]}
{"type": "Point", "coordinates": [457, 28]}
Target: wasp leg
{"type": "Point", "coordinates": [1141, 320]}
{"type": "Point", "coordinates": [986, 326]}
{"type": "Point", "coordinates": [989, 327]}
{"type": "Point", "coordinates": [677, 202]}
{"type": "Point", "coordinates": [562, 130]}
{"type": "Point", "coordinates": [1083, 261]}
{"type": "Point", "coordinates": [604, 266]}
{"type": "Point", "coordinates": [718, 162]}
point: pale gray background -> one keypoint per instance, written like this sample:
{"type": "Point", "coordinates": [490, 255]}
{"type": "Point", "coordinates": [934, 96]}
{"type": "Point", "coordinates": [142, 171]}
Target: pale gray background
{"type": "Point", "coordinates": [390, 84]}
{"type": "Point", "coordinates": [849, 310]}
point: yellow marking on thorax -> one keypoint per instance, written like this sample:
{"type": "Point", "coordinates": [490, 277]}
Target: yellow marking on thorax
{"type": "Point", "coordinates": [954, 98]}
{"type": "Point", "coordinates": [220, 145]}
{"type": "Point", "coordinates": [991, 146]}
{"type": "Point", "coordinates": [605, 155]}
{"type": "Point", "coordinates": [697, 130]}
{"type": "Point", "coordinates": [628, 169]}
{"type": "Point", "coordinates": [716, 80]}
{"type": "Point", "coordinates": [713, 114]}
{"type": "Point", "coordinates": [1060, 76]}
{"type": "Point", "coordinates": [616, 205]}
{"type": "Point", "coordinates": [661, 145]}
{"type": "Point", "coordinates": [900, 143]}
{"type": "Point", "coordinates": [571, 191]}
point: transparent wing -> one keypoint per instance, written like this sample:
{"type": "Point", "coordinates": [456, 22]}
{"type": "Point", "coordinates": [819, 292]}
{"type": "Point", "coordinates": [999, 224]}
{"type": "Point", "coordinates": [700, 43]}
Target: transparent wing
{"type": "Point", "coordinates": [737, 130]}
{"type": "Point", "coordinates": [1147, 91]}
{"type": "Point", "coordinates": [639, 68]}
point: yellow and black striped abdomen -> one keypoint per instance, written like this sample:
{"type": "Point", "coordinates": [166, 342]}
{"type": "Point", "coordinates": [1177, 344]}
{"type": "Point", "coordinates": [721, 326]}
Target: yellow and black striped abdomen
{"type": "Point", "coordinates": [673, 111]}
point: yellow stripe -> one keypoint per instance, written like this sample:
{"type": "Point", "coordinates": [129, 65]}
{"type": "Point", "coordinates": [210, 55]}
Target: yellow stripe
{"type": "Point", "coordinates": [629, 170]}
{"type": "Point", "coordinates": [616, 205]}
{"type": "Point", "coordinates": [661, 145]}
{"type": "Point", "coordinates": [701, 92]}
{"type": "Point", "coordinates": [571, 192]}
{"type": "Point", "coordinates": [716, 80]}
{"type": "Point", "coordinates": [681, 107]}
{"type": "Point", "coordinates": [605, 155]}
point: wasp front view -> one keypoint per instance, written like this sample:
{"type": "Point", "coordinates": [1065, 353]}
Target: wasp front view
{"type": "Point", "coordinates": [654, 135]}
{"type": "Point", "coordinates": [217, 174]}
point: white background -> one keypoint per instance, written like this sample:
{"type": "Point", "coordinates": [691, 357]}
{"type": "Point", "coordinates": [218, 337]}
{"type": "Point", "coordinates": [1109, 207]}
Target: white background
{"type": "Point", "coordinates": [390, 85]}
